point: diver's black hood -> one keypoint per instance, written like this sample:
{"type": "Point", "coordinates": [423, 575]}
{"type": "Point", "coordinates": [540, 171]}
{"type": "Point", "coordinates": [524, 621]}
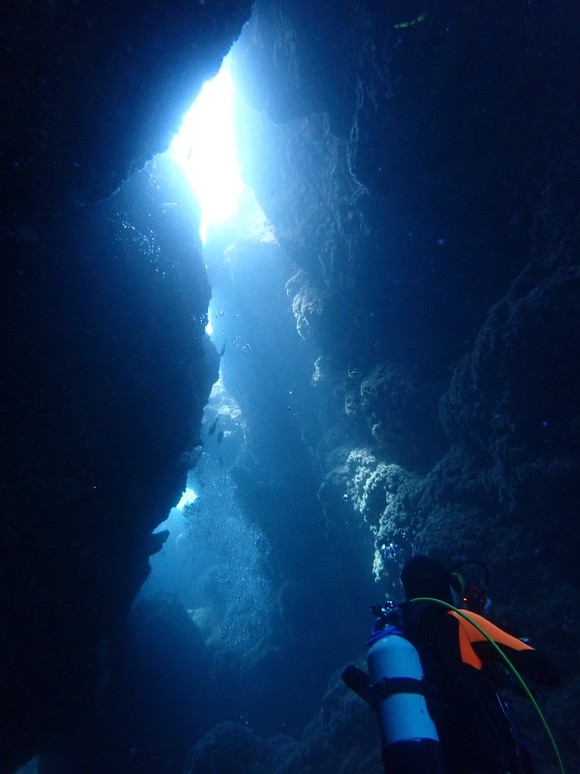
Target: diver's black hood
{"type": "Point", "coordinates": [422, 576]}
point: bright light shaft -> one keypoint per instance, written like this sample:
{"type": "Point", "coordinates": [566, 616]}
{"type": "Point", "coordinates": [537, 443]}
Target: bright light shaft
{"type": "Point", "coordinates": [188, 497]}
{"type": "Point", "coordinates": [205, 148]}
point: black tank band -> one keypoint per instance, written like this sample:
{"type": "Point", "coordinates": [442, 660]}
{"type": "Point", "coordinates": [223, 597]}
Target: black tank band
{"type": "Point", "coordinates": [389, 686]}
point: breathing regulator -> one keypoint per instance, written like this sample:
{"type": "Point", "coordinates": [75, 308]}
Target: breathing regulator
{"type": "Point", "coordinates": [468, 581]}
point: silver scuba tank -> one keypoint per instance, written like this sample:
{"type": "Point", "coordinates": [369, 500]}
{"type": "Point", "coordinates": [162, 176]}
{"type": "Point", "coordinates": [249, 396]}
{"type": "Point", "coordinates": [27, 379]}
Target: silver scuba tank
{"type": "Point", "coordinates": [408, 734]}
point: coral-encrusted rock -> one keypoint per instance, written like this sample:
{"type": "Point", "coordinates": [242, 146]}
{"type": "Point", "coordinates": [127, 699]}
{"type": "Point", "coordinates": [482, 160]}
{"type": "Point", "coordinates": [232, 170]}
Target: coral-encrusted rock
{"type": "Point", "coordinates": [512, 402]}
{"type": "Point", "coordinates": [308, 304]}
{"type": "Point", "coordinates": [380, 494]}
{"type": "Point", "coordinates": [400, 408]}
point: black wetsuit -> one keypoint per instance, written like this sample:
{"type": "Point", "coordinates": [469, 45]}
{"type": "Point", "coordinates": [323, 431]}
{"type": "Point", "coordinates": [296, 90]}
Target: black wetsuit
{"type": "Point", "coordinates": [474, 731]}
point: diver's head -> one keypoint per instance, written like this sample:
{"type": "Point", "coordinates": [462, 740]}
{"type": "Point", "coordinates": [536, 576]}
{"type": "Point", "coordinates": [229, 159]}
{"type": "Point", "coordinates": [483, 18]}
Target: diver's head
{"type": "Point", "coordinates": [469, 586]}
{"type": "Point", "coordinates": [422, 576]}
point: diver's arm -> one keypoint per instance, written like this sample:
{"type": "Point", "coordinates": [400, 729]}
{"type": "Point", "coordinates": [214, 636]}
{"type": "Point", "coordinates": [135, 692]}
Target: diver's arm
{"type": "Point", "coordinates": [524, 658]}
{"type": "Point", "coordinates": [530, 662]}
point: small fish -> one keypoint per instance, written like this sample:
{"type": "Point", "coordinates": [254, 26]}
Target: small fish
{"type": "Point", "coordinates": [223, 349]}
{"type": "Point", "coordinates": [353, 373]}
{"type": "Point", "coordinates": [406, 25]}
{"type": "Point", "coordinates": [220, 436]}
{"type": "Point", "coordinates": [213, 426]}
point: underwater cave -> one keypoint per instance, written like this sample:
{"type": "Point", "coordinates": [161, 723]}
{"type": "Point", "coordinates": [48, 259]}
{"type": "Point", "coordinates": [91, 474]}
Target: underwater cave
{"type": "Point", "coordinates": [290, 294]}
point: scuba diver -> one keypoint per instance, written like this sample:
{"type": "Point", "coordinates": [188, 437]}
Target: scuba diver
{"type": "Point", "coordinates": [436, 663]}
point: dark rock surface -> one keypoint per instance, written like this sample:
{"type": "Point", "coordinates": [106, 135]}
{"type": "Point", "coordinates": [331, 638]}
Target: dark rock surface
{"type": "Point", "coordinates": [155, 700]}
{"type": "Point", "coordinates": [105, 363]}
{"type": "Point", "coordinates": [93, 89]}
{"type": "Point", "coordinates": [403, 185]}
{"type": "Point", "coordinates": [424, 183]}
{"type": "Point", "coordinates": [339, 739]}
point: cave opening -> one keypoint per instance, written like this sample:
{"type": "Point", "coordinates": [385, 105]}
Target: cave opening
{"type": "Point", "coordinates": [206, 150]}
{"type": "Point", "coordinates": [227, 559]}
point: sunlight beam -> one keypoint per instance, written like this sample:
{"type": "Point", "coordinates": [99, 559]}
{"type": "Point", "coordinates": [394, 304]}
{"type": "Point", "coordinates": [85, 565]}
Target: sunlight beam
{"type": "Point", "coordinates": [205, 148]}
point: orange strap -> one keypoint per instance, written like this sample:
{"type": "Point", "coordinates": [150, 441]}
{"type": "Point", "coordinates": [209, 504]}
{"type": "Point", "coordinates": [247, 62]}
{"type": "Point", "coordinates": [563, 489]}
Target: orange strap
{"type": "Point", "coordinates": [468, 634]}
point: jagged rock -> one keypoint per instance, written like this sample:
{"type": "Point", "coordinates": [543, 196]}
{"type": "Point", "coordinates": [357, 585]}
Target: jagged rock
{"type": "Point", "coordinates": [381, 495]}
{"type": "Point", "coordinates": [235, 748]}
{"type": "Point", "coordinates": [342, 737]}
{"type": "Point", "coordinates": [307, 304]}
{"type": "Point", "coordinates": [400, 409]}
{"type": "Point", "coordinates": [510, 403]}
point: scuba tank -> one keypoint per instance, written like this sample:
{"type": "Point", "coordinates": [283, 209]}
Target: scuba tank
{"type": "Point", "coordinates": [410, 743]}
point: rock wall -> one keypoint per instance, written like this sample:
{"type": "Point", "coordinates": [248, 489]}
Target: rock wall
{"type": "Point", "coordinates": [405, 182]}
{"type": "Point", "coordinates": [106, 366]}
{"type": "Point", "coordinates": [420, 172]}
